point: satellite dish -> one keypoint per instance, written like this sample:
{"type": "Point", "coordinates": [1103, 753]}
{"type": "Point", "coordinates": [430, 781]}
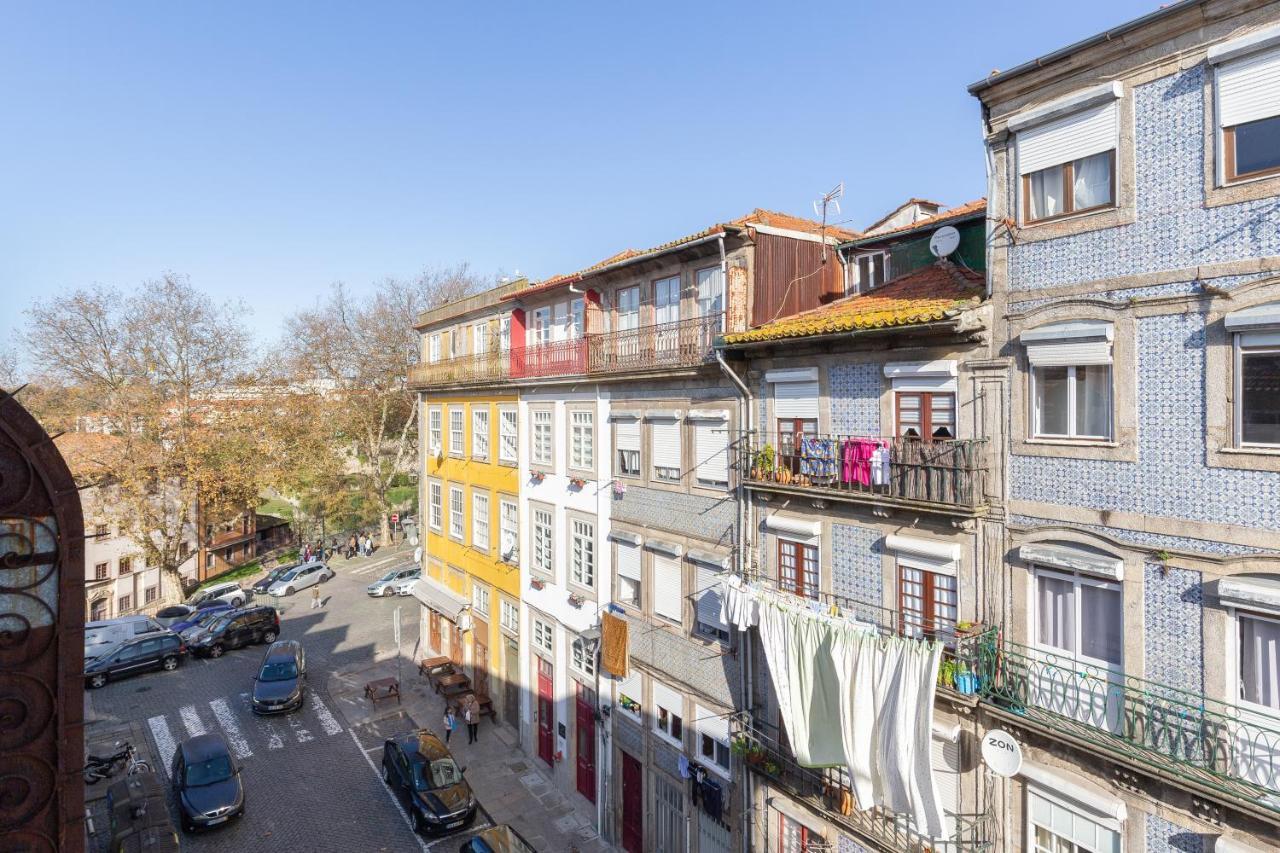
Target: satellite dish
{"type": "Point", "coordinates": [944, 241]}
{"type": "Point", "coordinates": [1001, 752]}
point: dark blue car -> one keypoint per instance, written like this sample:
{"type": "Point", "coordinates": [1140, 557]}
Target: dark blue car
{"type": "Point", "coordinates": [201, 617]}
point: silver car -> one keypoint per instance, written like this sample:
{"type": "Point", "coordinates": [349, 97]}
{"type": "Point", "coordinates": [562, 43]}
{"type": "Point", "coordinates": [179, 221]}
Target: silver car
{"type": "Point", "coordinates": [386, 585]}
{"type": "Point", "coordinates": [301, 577]}
{"type": "Point", "coordinates": [405, 586]}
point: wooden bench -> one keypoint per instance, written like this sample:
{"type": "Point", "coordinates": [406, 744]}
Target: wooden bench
{"type": "Point", "coordinates": [429, 666]}
{"type": "Point", "coordinates": [382, 688]}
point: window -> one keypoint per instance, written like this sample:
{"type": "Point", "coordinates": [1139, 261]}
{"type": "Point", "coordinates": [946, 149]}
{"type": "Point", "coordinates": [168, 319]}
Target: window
{"type": "Point", "coordinates": [101, 571]}
{"type": "Point", "coordinates": [480, 521]}
{"type": "Point", "coordinates": [508, 530]}
{"type": "Point", "coordinates": [1258, 389]}
{"type": "Point", "coordinates": [510, 617]}
{"type": "Point", "coordinates": [582, 552]}
{"type": "Point", "coordinates": [666, 300]}
{"type": "Point", "coordinates": [456, 431]}
{"type": "Point", "coordinates": [577, 320]}
{"type": "Point", "coordinates": [1248, 94]}
{"type": "Point", "coordinates": [543, 556]}
{"type": "Point", "coordinates": [628, 309]}
{"type": "Point", "coordinates": [1079, 617]}
{"type": "Point", "coordinates": [665, 449]}
{"type": "Point", "coordinates": [668, 589]}
{"type": "Point", "coordinates": [434, 351]}
{"type": "Point", "coordinates": [707, 621]}
{"type": "Point", "coordinates": [540, 328]}
{"type": "Point", "coordinates": [480, 599]}
{"type": "Point", "coordinates": [480, 432]}
{"type": "Point", "coordinates": [1055, 828]}
{"type": "Point", "coordinates": [798, 568]}
{"type": "Point", "coordinates": [795, 837]}
{"type": "Point", "coordinates": [711, 295]}
{"type": "Point", "coordinates": [125, 604]}
{"type": "Point", "coordinates": [434, 500]}
{"type": "Point", "coordinates": [711, 450]}
{"type": "Point", "coordinates": [101, 531]}
{"type": "Point", "coordinates": [434, 422]}
{"type": "Point", "coordinates": [1259, 660]}
{"type": "Point", "coordinates": [507, 435]}
{"type": "Point", "coordinates": [126, 565]}
{"type": "Point", "coordinates": [150, 594]}
{"type": "Point", "coordinates": [668, 713]}
{"type": "Point", "coordinates": [457, 525]}
{"type": "Point", "coordinates": [873, 270]}
{"type": "Point", "coordinates": [583, 659]}
{"type": "Point", "coordinates": [928, 601]}
{"type": "Point", "coordinates": [480, 338]}
{"type": "Point", "coordinates": [629, 574]}
{"type": "Point", "coordinates": [1072, 401]}
{"type": "Point", "coordinates": [1067, 165]}
{"type": "Point", "coordinates": [582, 440]}
{"type": "Point", "coordinates": [543, 636]}
{"type": "Point", "coordinates": [543, 441]}
{"type": "Point", "coordinates": [926, 413]}
{"type": "Point", "coordinates": [504, 334]}
{"type": "Point", "coordinates": [712, 738]}
{"type": "Point", "coordinates": [630, 694]}
{"type": "Point", "coordinates": [626, 437]}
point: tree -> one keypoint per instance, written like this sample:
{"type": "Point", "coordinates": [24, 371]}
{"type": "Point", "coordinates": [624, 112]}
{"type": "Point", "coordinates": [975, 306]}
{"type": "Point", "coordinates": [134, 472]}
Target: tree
{"type": "Point", "coordinates": [360, 350]}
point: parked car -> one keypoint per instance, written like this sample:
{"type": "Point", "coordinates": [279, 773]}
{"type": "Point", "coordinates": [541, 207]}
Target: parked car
{"type": "Point", "coordinates": [300, 577]}
{"type": "Point", "coordinates": [262, 584]}
{"type": "Point", "coordinates": [404, 586]}
{"type": "Point", "coordinates": [234, 629]}
{"type": "Point", "coordinates": [281, 680]}
{"type": "Point", "coordinates": [174, 613]}
{"type": "Point", "coordinates": [497, 839]}
{"type": "Point", "coordinates": [423, 775]}
{"type": "Point", "coordinates": [139, 654]}
{"type": "Point", "coordinates": [207, 782]}
{"type": "Point", "coordinates": [385, 584]}
{"type": "Point", "coordinates": [202, 616]}
{"type": "Point", "coordinates": [105, 634]}
{"type": "Point", "coordinates": [228, 591]}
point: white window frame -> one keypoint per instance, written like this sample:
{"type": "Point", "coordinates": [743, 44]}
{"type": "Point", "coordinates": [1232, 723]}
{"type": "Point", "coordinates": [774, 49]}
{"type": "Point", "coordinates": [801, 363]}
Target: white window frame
{"type": "Point", "coordinates": [1229, 59]}
{"type": "Point", "coordinates": [710, 290]}
{"type": "Point", "coordinates": [1262, 713]}
{"type": "Point", "coordinates": [508, 435]}
{"type": "Point", "coordinates": [709, 724]}
{"type": "Point", "coordinates": [540, 326]}
{"type": "Point", "coordinates": [863, 284]}
{"type": "Point", "coordinates": [509, 530]}
{"type": "Point", "coordinates": [581, 659]}
{"type": "Point", "coordinates": [509, 617]}
{"type": "Point", "coordinates": [542, 437]}
{"type": "Point", "coordinates": [1035, 791]}
{"type": "Point", "coordinates": [653, 456]}
{"type": "Point", "coordinates": [457, 431]}
{"type": "Point", "coordinates": [660, 586]}
{"type": "Point", "coordinates": [621, 452]}
{"type": "Point", "coordinates": [543, 530]}
{"type": "Point", "coordinates": [479, 431]}
{"type": "Point", "coordinates": [1072, 435]}
{"type": "Point", "coordinates": [628, 314]}
{"type": "Point", "coordinates": [433, 349]}
{"type": "Point", "coordinates": [480, 520]}
{"type": "Point", "coordinates": [435, 429]}
{"type": "Point", "coordinates": [457, 514]}
{"type": "Point", "coordinates": [582, 552]}
{"type": "Point", "coordinates": [660, 703]}
{"type": "Point", "coordinates": [504, 333]}
{"type": "Point", "coordinates": [435, 505]}
{"type": "Point", "coordinates": [1079, 580]}
{"type": "Point", "coordinates": [634, 681]}
{"type": "Point", "coordinates": [544, 636]}
{"type": "Point", "coordinates": [480, 338]}
{"type": "Point", "coordinates": [480, 598]}
{"type": "Point", "coordinates": [662, 300]}
{"type": "Point", "coordinates": [706, 464]}
{"type": "Point", "coordinates": [1241, 346]}
{"type": "Point", "coordinates": [582, 439]}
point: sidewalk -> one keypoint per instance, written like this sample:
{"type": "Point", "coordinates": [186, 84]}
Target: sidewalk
{"type": "Point", "coordinates": [510, 785]}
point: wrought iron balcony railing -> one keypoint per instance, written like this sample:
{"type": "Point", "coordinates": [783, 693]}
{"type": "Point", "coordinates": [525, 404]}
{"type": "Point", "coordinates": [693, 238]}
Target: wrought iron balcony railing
{"type": "Point", "coordinates": [681, 344]}
{"type": "Point", "coordinates": [949, 474]}
{"type": "Point", "coordinates": [826, 790]}
{"type": "Point", "coordinates": [1216, 746]}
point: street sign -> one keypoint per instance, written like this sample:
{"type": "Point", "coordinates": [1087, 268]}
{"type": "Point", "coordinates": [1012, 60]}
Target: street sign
{"type": "Point", "coordinates": [1001, 753]}
{"type": "Point", "coordinates": [395, 518]}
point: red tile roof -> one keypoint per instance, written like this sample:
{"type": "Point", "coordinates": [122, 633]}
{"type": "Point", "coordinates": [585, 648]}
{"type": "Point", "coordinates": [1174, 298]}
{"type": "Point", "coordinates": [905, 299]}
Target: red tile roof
{"type": "Point", "coordinates": [925, 296]}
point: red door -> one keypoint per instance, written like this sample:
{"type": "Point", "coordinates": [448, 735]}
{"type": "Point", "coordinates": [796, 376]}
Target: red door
{"type": "Point", "coordinates": [546, 714]}
{"type": "Point", "coordinates": [585, 725]}
{"type": "Point", "coordinates": [632, 805]}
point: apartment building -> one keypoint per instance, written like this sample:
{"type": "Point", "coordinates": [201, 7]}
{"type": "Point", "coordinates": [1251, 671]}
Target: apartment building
{"type": "Point", "coordinates": [869, 498]}
{"type": "Point", "coordinates": [1135, 275]}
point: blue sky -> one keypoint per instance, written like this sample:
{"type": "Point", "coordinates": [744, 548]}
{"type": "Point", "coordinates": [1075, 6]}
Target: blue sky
{"type": "Point", "coordinates": [270, 149]}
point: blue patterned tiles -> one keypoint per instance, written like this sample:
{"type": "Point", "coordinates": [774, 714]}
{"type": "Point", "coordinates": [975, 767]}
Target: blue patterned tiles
{"type": "Point", "coordinates": [1154, 541]}
{"type": "Point", "coordinates": [855, 390]}
{"type": "Point", "coordinates": [855, 563]}
{"type": "Point", "coordinates": [1167, 837]}
{"type": "Point", "coordinates": [845, 844]}
{"type": "Point", "coordinates": [1172, 626]}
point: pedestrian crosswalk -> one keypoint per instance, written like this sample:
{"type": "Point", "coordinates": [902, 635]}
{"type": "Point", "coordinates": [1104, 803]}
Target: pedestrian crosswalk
{"type": "Point", "coordinates": [244, 730]}
{"type": "Point", "coordinates": [380, 565]}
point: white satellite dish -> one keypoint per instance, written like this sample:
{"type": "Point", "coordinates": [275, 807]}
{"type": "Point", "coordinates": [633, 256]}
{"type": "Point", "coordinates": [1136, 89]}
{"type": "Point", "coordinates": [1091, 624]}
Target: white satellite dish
{"type": "Point", "coordinates": [1002, 753]}
{"type": "Point", "coordinates": [944, 241]}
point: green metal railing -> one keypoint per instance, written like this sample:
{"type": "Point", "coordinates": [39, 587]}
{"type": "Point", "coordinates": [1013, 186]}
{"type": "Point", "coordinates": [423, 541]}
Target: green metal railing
{"type": "Point", "coordinates": [1181, 734]}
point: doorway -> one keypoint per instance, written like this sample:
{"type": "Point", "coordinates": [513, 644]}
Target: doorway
{"type": "Point", "coordinates": [585, 726]}
{"type": "Point", "coordinates": [433, 626]}
{"type": "Point", "coordinates": [546, 713]}
{"type": "Point", "coordinates": [480, 660]}
{"type": "Point", "coordinates": [632, 804]}
{"type": "Point", "coordinates": [511, 689]}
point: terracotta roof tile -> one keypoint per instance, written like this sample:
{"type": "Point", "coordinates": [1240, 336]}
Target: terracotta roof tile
{"type": "Point", "coordinates": [958, 212]}
{"type": "Point", "coordinates": [924, 296]}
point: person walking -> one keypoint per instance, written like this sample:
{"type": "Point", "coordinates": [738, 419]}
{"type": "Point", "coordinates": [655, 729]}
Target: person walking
{"type": "Point", "coordinates": [473, 725]}
{"type": "Point", "coordinates": [315, 597]}
{"type": "Point", "coordinates": [450, 722]}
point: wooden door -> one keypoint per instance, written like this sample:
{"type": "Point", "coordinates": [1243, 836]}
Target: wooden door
{"type": "Point", "coordinates": [632, 805]}
{"type": "Point", "coordinates": [433, 623]}
{"type": "Point", "coordinates": [511, 690]}
{"type": "Point", "coordinates": [585, 726]}
{"type": "Point", "coordinates": [546, 713]}
{"type": "Point", "coordinates": [479, 663]}
{"type": "Point", "coordinates": [455, 644]}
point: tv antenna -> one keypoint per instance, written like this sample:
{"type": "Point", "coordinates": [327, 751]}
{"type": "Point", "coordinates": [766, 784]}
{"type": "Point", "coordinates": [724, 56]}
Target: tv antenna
{"type": "Point", "coordinates": [829, 199]}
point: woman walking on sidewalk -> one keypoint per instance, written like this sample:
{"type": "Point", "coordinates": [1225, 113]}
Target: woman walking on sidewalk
{"type": "Point", "coordinates": [473, 727]}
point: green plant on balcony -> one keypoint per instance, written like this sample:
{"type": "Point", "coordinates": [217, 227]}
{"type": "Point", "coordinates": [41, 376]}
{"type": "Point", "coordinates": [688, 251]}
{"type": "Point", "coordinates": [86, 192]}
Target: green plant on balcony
{"type": "Point", "coordinates": [762, 465]}
{"type": "Point", "coordinates": [947, 674]}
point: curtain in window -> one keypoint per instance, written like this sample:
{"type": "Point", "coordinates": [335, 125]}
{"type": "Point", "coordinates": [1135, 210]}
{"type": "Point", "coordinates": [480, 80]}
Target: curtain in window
{"type": "Point", "coordinates": [1092, 186]}
{"type": "Point", "coordinates": [1093, 400]}
{"type": "Point", "coordinates": [1053, 401]}
{"type": "Point", "coordinates": [1046, 192]}
{"type": "Point", "coordinates": [1101, 621]}
{"type": "Point", "coordinates": [1260, 662]}
{"type": "Point", "coordinates": [1056, 614]}
{"type": "Point", "coordinates": [1260, 397]}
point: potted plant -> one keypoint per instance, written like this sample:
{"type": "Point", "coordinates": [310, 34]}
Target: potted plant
{"type": "Point", "coordinates": [763, 467]}
{"type": "Point", "coordinates": [577, 482]}
{"type": "Point", "coordinates": [537, 583]}
{"type": "Point", "coordinates": [537, 476]}
{"type": "Point", "coordinates": [947, 674]}
{"type": "Point", "coordinates": [576, 600]}
{"type": "Point", "coordinates": [965, 628]}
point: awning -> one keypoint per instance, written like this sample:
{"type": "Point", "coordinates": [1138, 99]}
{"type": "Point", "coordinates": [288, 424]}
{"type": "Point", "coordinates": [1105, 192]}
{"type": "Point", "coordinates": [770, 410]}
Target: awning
{"type": "Point", "coordinates": [1073, 559]}
{"type": "Point", "coordinates": [434, 595]}
{"type": "Point", "coordinates": [1251, 592]}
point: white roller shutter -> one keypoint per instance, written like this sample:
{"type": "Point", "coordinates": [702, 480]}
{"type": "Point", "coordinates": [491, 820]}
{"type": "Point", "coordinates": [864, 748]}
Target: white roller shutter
{"type": "Point", "coordinates": [667, 698]}
{"type": "Point", "coordinates": [628, 434]}
{"type": "Point", "coordinates": [711, 450]}
{"type": "Point", "coordinates": [1071, 137]}
{"type": "Point", "coordinates": [633, 690]}
{"type": "Point", "coordinates": [1249, 89]}
{"type": "Point", "coordinates": [1076, 342]}
{"type": "Point", "coordinates": [629, 561]}
{"type": "Point", "coordinates": [667, 589]}
{"type": "Point", "coordinates": [666, 443]}
{"type": "Point", "coordinates": [795, 400]}
{"type": "Point", "coordinates": [707, 596]}
{"type": "Point", "coordinates": [946, 775]}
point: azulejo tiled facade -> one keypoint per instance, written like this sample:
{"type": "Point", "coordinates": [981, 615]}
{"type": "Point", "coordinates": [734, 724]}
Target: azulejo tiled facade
{"type": "Point", "coordinates": [1164, 836]}
{"type": "Point", "coordinates": [1147, 539]}
{"type": "Point", "coordinates": [855, 562]}
{"type": "Point", "coordinates": [1173, 630]}
{"type": "Point", "coordinates": [855, 399]}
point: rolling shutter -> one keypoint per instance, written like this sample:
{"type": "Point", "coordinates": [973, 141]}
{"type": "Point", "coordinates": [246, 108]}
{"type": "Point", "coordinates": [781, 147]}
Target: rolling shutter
{"type": "Point", "coordinates": [1249, 89]}
{"type": "Point", "coordinates": [630, 693]}
{"type": "Point", "coordinates": [708, 597]}
{"type": "Point", "coordinates": [946, 776]}
{"type": "Point", "coordinates": [667, 590]}
{"type": "Point", "coordinates": [795, 400]}
{"type": "Point", "coordinates": [711, 450]}
{"type": "Point", "coordinates": [1090, 131]}
{"type": "Point", "coordinates": [629, 561]}
{"type": "Point", "coordinates": [1078, 342]}
{"type": "Point", "coordinates": [628, 434]}
{"type": "Point", "coordinates": [666, 443]}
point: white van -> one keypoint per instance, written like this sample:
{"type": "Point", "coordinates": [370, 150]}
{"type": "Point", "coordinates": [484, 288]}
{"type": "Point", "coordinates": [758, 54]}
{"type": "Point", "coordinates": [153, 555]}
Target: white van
{"type": "Point", "coordinates": [100, 636]}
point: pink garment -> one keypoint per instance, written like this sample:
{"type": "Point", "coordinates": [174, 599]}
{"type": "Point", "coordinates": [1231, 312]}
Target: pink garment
{"type": "Point", "coordinates": [856, 460]}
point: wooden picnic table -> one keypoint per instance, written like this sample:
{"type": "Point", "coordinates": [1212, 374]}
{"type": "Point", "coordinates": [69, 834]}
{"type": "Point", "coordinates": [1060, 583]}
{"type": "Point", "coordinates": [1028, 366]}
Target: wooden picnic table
{"type": "Point", "coordinates": [429, 665]}
{"type": "Point", "coordinates": [453, 683]}
{"type": "Point", "coordinates": [382, 688]}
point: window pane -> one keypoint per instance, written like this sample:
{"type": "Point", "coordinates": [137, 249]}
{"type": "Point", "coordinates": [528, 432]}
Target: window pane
{"type": "Point", "coordinates": [1101, 623]}
{"type": "Point", "coordinates": [1093, 400]}
{"type": "Point", "coordinates": [1052, 400]}
{"type": "Point", "coordinates": [1258, 145]}
{"type": "Point", "coordinates": [1260, 397]}
{"type": "Point", "coordinates": [1056, 614]}
{"type": "Point", "coordinates": [1092, 185]}
{"type": "Point", "coordinates": [1260, 661]}
{"type": "Point", "coordinates": [1045, 192]}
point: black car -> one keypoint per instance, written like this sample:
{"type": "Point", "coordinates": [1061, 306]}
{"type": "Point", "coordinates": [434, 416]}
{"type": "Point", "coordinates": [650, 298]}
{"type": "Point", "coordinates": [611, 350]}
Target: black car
{"type": "Point", "coordinates": [207, 783]}
{"type": "Point", "coordinates": [279, 684]}
{"type": "Point", "coordinates": [155, 651]}
{"type": "Point", "coordinates": [263, 584]}
{"type": "Point", "coordinates": [235, 629]}
{"type": "Point", "coordinates": [497, 839]}
{"type": "Point", "coordinates": [423, 775]}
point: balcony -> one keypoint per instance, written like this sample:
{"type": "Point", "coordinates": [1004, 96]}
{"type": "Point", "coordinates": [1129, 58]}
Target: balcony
{"type": "Point", "coordinates": [683, 344]}
{"type": "Point", "coordinates": [826, 791]}
{"type": "Point", "coordinates": [946, 475]}
{"type": "Point", "coordinates": [1221, 749]}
